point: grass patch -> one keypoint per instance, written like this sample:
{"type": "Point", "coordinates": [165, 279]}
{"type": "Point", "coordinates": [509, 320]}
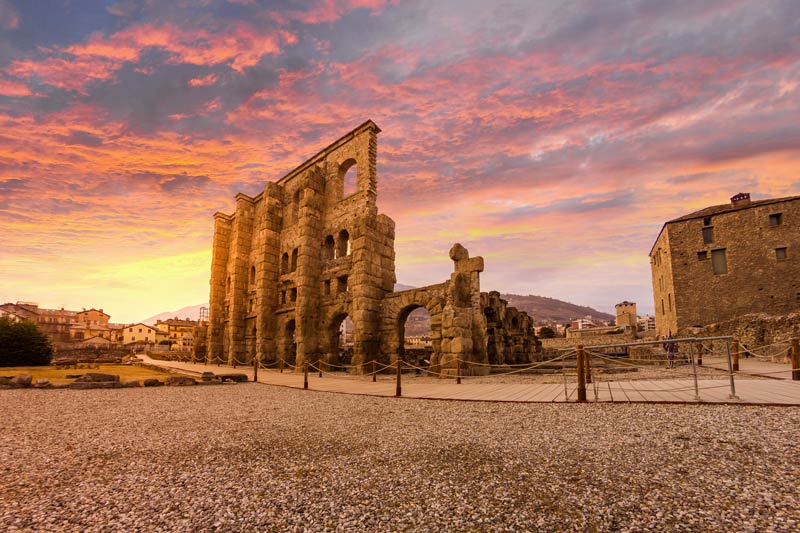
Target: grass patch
{"type": "Point", "coordinates": [59, 374]}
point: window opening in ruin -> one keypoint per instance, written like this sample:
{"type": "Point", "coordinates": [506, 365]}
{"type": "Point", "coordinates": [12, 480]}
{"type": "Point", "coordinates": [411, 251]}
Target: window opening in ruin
{"type": "Point", "coordinates": [662, 306]}
{"type": "Point", "coordinates": [719, 262]}
{"type": "Point", "coordinates": [252, 275]}
{"type": "Point", "coordinates": [285, 263]}
{"type": "Point", "coordinates": [708, 235]}
{"type": "Point", "coordinates": [776, 219]}
{"type": "Point", "coordinates": [669, 300]}
{"type": "Point", "coordinates": [514, 323]}
{"type": "Point", "coordinates": [702, 255]}
{"type": "Point", "coordinates": [780, 254]}
{"type": "Point", "coordinates": [290, 342]}
{"type": "Point", "coordinates": [228, 284]}
{"type": "Point", "coordinates": [327, 289]}
{"type": "Point", "coordinates": [328, 248]}
{"type": "Point", "coordinates": [294, 259]}
{"type": "Point", "coordinates": [341, 284]}
{"type": "Point", "coordinates": [293, 294]}
{"type": "Point", "coordinates": [415, 335]}
{"type": "Point", "coordinates": [250, 305]}
{"type": "Point", "coordinates": [707, 221]}
{"type": "Point", "coordinates": [348, 173]}
{"type": "Point", "coordinates": [343, 244]}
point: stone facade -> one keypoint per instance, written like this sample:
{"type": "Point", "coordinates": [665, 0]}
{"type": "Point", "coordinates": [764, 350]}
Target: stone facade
{"type": "Point", "coordinates": [626, 315]}
{"type": "Point", "coordinates": [726, 261]}
{"type": "Point", "coordinates": [510, 335]}
{"type": "Point", "coordinates": [290, 264]}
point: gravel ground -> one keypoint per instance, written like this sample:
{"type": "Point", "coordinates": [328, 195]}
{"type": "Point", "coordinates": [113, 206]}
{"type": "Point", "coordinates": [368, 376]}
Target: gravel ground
{"type": "Point", "coordinates": [259, 458]}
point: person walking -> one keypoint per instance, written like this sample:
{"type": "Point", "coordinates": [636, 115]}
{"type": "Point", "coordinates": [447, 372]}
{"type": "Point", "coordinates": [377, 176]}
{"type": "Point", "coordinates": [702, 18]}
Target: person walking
{"type": "Point", "coordinates": [671, 348]}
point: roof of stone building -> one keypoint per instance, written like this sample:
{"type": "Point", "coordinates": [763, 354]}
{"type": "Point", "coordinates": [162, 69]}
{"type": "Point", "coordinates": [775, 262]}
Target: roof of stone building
{"type": "Point", "coordinates": [721, 209]}
{"type": "Point", "coordinates": [727, 208]}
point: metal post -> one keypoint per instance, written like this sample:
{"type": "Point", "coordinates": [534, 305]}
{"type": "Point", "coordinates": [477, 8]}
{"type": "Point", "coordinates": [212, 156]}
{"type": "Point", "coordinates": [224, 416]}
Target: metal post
{"type": "Point", "coordinates": [581, 375]}
{"type": "Point", "coordinates": [699, 354]}
{"type": "Point", "coordinates": [587, 368]}
{"type": "Point", "coordinates": [255, 369]}
{"type": "Point", "coordinates": [305, 374]}
{"type": "Point", "coordinates": [694, 373]}
{"type": "Point", "coordinates": [564, 373]}
{"type": "Point", "coordinates": [735, 355]}
{"type": "Point", "coordinates": [795, 359]}
{"type": "Point", "coordinates": [458, 371]}
{"type": "Point", "coordinates": [399, 373]}
{"type": "Point", "coordinates": [732, 395]}
{"type": "Point", "coordinates": [374, 372]}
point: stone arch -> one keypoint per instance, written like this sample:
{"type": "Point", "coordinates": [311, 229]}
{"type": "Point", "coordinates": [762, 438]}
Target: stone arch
{"type": "Point", "coordinates": [333, 351]}
{"type": "Point", "coordinates": [348, 175]}
{"type": "Point", "coordinates": [396, 309]}
{"type": "Point", "coordinates": [343, 244]}
{"type": "Point", "coordinates": [288, 341]}
{"type": "Point", "coordinates": [329, 248]}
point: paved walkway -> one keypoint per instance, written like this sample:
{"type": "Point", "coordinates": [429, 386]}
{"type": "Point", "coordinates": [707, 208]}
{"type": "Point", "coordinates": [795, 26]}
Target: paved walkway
{"type": "Point", "coordinates": [753, 367]}
{"type": "Point", "coordinates": [758, 392]}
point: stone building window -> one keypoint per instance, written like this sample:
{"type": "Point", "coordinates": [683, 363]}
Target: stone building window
{"type": "Point", "coordinates": [776, 219]}
{"type": "Point", "coordinates": [719, 262]}
{"type": "Point", "coordinates": [250, 305]}
{"type": "Point", "coordinates": [328, 248]}
{"type": "Point", "coordinates": [702, 256]}
{"type": "Point", "coordinates": [708, 235]}
{"type": "Point", "coordinates": [343, 244]}
{"type": "Point", "coordinates": [293, 294]}
{"type": "Point", "coordinates": [252, 275]}
{"type": "Point", "coordinates": [285, 263]}
{"type": "Point", "coordinates": [669, 299]}
{"type": "Point", "coordinates": [780, 254]}
{"type": "Point", "coordinates": [327, 289]}
{"type": "Point", "coordinates": [707, 221]}
{"type": "Point", "coordinates": [294, 259]}
{"type": "Point", "coordinates": [348, 173]}
{"type": "Point", "coordinates": [342, 284]}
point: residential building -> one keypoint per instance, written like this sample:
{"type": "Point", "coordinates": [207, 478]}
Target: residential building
{"type": "Point", "coordinates": [138, 334]}
{"type": "Point", "coordinates": [179, 332]}
{"type": "Point", "coordinates": [725, 261]}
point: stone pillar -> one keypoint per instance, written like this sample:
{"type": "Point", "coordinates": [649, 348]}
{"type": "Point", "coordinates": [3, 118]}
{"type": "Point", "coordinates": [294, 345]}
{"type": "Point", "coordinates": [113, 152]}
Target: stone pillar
{"type": "Point", "coordinates": [309, 267]}
{"type": "Point", "coordinates": [238, 266]}
{"type": "Point", "coordinates": [219, 273]}
{"type": "Point", "coordinates": [268, 265]}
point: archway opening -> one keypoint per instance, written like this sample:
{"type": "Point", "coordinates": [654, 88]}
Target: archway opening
{"type": "Point", "coordinates": [343, 244]}
{"type": "Point", "coordinates": [290, 342]}
{"type": "Point", "coordinates": [415, 336]}
{"type": "Point", "coordinates": [328, 248]}
{"type": "Point", "coordinates": [340, 340]}
{"type": "Point", "coordinates": [348, 173]}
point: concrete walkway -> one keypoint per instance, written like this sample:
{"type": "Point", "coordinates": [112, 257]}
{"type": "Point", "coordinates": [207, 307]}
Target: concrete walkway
{"type": "Point", "coordinates": [716, 391]}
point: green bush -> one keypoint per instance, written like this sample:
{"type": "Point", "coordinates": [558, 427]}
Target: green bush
{"type": "Point", "coordinates": [23, 344]}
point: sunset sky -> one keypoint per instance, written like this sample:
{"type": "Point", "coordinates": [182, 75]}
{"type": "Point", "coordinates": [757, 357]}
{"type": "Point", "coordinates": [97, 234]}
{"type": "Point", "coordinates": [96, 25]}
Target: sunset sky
{"type": "Point", "coordinates": [551, 137]}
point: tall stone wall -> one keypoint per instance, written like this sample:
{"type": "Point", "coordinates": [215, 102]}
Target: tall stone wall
{"type": "Point", "coordinates": [292, 263]}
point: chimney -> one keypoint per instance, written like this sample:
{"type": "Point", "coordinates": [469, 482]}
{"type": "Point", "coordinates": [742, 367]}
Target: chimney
{"type": "Point", "coordinates": [741, 199]}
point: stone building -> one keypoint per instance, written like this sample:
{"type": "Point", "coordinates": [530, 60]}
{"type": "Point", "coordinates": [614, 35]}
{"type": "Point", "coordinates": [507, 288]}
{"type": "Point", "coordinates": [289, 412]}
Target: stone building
{"type": "Point", "coordinates": [726, 261]}
{"type": "Point", "coordinates": [291, 263]}
{"type": "Point", "coordinates": [626, 315]}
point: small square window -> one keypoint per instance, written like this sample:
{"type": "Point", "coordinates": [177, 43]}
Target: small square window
{"type": "Point", "coordinates": [702, 256]}
{"type": "Point", "coordinates": [708, 235]}
{"type": "Point", "coordinates": [342, 284]}
{"type": "Point", "coordinates": [780, 254]}
{"type": "Point", "coordinates": [707, 221]}
{"type": "Point", "coordinates": [776, 219]}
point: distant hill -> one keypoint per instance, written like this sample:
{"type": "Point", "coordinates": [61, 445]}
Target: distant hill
{"type": "Point", "coordinates": [192, 313]}
{"type": "Point", "coordinates": [544, 309]}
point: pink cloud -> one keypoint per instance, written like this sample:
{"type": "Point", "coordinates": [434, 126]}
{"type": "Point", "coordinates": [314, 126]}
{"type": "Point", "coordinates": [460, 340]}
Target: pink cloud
{"type": "Point", "coordinates": [211, 79]}
{"type": "Point", "coordinates": [12, 88]}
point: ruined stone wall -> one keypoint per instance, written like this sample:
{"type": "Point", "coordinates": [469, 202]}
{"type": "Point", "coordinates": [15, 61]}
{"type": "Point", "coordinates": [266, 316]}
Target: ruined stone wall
{"type": "Point", "coordinates": [757, 280]}
{"type": "Point", "coordinates": [509, 332]}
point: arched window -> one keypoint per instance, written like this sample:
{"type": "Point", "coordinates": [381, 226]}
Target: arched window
{"type": "Point", "coordinates": [285, 263]}
{"type": "Point", "coordinates": [328, 248]}
{"type": "Point", "coordinates": [294, 259]}
{"type": "Point", "coordinates": [343, 244]}
{"type": "Point", "coordinates": [348, 173]}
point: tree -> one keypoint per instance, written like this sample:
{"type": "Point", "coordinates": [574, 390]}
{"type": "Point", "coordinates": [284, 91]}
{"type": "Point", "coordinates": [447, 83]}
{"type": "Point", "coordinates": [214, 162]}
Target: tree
{"type": "Point", "coordinates": [546, 332]}
{"type": "Point", "coordinates": [23, 344]}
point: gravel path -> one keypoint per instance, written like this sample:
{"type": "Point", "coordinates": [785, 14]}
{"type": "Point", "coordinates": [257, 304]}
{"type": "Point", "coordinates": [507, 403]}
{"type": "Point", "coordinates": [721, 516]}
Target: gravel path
{"type": "Point", "coordinates": [259, 458]}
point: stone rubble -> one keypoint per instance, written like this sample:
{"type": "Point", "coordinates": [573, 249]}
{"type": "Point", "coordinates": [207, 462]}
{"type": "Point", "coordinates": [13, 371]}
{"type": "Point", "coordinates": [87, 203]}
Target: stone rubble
{"type": "Point", "coordinates": [260, 458]}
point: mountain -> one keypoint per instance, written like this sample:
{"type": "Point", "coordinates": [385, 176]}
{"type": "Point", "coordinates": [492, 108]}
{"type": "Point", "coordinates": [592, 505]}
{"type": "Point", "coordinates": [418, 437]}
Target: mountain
{"type": "Point", "coordinates": [191, 312]}
{"type": "Point", "coordinates": [544, 309]}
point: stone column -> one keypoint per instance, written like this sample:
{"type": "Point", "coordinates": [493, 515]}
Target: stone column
{"type": "Point", "coordinates": [219, 273]}
{"type": "Point", "coordinates": [238, 265]}
{"type": "Point", "coordinates": [268, 263]}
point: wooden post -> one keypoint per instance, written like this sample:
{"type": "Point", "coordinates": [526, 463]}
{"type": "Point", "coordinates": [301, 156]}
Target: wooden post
{"type": "Point", "coordinates": [374, 371]}
{"type": "Point", "coordinates": [581, 377]}
{"type": "Point", "coordinates": [735, 350]}
{"type": "Point", "coordinates": [305, 375]}
{"type": "Point", "coordinates": [255, 369]}
{"type": "Point", "coordinates": [795, 359]}
{"type": "Point", "coordinates": [319, 367]}
{"type": "Point", "coordinates": [280, 364]}
{"type": "Point", "coordinates": [699, 354]}
{"type": "Point", "coordinates": [458, 371]}
{"type": "Point", "coordinates": [399, 373]}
